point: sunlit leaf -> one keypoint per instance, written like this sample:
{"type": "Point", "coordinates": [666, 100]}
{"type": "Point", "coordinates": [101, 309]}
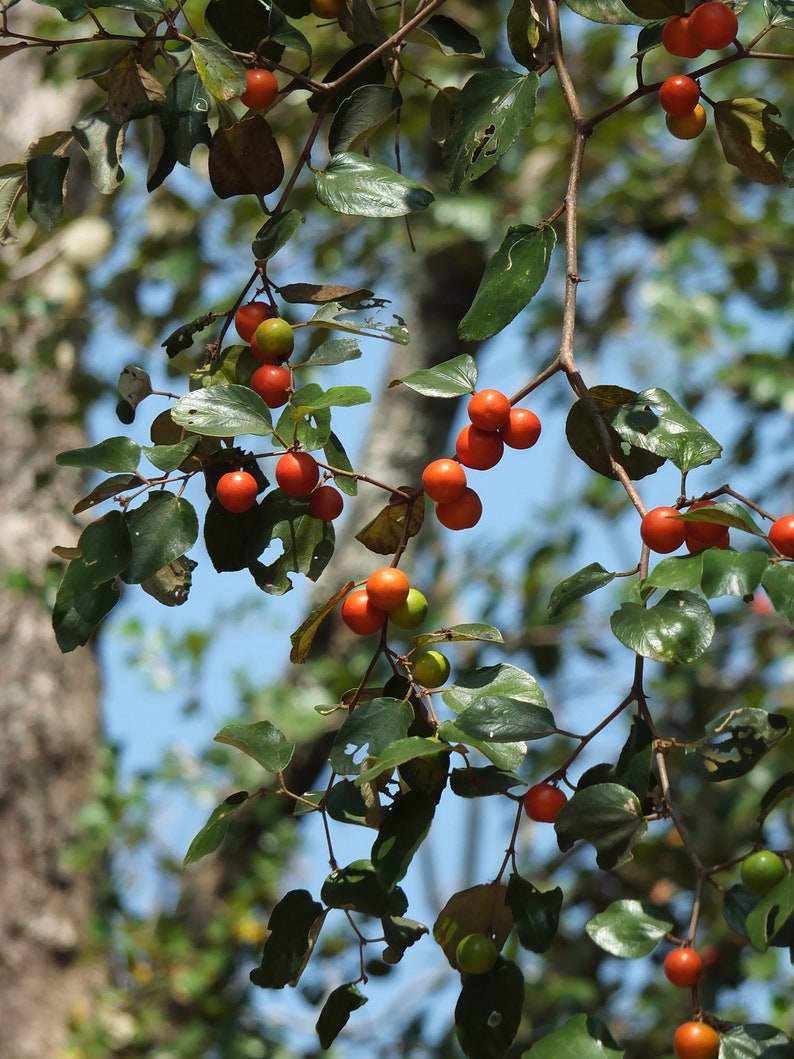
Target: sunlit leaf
{"type": "Point", "coordinates": [356, 185]}
{"type": "Point", "coordinates": [214, 831]}
{"type": "Point", "coordinates": [629, 929]}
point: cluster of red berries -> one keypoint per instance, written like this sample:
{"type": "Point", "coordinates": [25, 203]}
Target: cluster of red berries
{"type": "Point", "coordinates": [493, 423]}
{"type": "Point", "coordinates": [664, 532]}
{"type": "Point", "coordinates": [297, 473]}
{"type": "Point", "coordinates": [710, 26]}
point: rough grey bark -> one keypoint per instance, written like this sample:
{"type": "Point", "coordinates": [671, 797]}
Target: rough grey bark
{"type": "Point", "coordinates": [49, 703]}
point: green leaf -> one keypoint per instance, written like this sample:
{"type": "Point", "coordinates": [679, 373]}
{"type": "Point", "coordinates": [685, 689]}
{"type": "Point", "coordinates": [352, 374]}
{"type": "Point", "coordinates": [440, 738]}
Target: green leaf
{"type": "Point", "coordinates": [167, 458]}
{"type": "Point", "coordinates": [488, 1011]}
{"type": "Point", "coordinates": [113, 454]}
{"type": "Point", "coordinates": [221, 71]}
{"type": "Point", "coordinates": [780, 12]}
{"type": "Point", "coordinates": [373, 725]}
{"type": "Point", "coordinates": [512, 278]}
{"type": "Point", "coordinates": [679, 628]}
{"type": "Point", "coordinates": [336, 1011]}
{"type": "Point", "coordinates": [469, 632]}
{"type": "Point", "coordinates": [582, 1037]}
{"type": "Point", "coordinates": [607, 815]}
{"type": "Point", "coordinates": [589, 579]}
{"type": "Point", "coordinates": [628, 929]}
{"type": "Point", "coordinates": [214, 831]}
{"type": "Point", "coordinates": [337, 458]}
{"type": "Point", "coordinates": [294, 926]}
{"type": "Point", "coordinates": [526, 34]}
{"type": "Point", "coordinates": [399, 934]}
{"type": "Point", "coordinates": [163, 528]}
{"type": "Point", "coordinates": [500, 703]}
{"type": "Point", "coordinates": [778, 580]}
{"type": "Point", "coordinates": [333, 351]}
{"type": "Point", "coordinates": [360, 115]}
{"type": "Point", "coordinates": [102, 140]}
{"type": "Point", "coordinates": [307, 543]}
{"type": "Point", "coordinates": [262, 741]}
{"type": "Point", "coordinates": [726, 513]}
{"type": "Point", "coordinates": [655, 422]}
{"type": "Point", "coordinates": [104, 549]}
{"type": "Point", "coordinates": [358, 886]}
{"type": "Point", "coordinates": [275, 233]}
{"type": "Point", "coordinates": [223, 411]}
{"type": "Point", "coordinates": [311, 397]}
{"type": "Point", "coordinates": [355, 185]}
{"type": "Point", "coordinates": [79, 610]}
{"type": "Point", "coordinates": [493, 108]}
{"type": "Point", "coordinates": [119, 483]}
{"type": "Point", "coordinates": [13, 183]}
{"type": "Point", "coordinates": [180, 125]}
{"type": "Point", "coordinates": [714, 571]}
{"type": "Point", "coordinates": [334, 315]}
{"type": "Point", "coordinates": [401, 833]}
{"type": "Point", "coordinates": [452, 378]}
{"type": "Point", "coordinates": [450, 37]}
{"type": "Point", "coordinates": [783, 787]}
{"type": "Point", "coordinates": [46, 183]}
{"type": "Point", "coordinates": [752, 139]}
{"type": "Point", "coordinates": [735, 742]}
{"type": "Point", "coordinates": [239, 22]}
{"type": "Point", "coordinates": [771, 913]}
{"type": "Point", "coordinates": [505, 756]}
{"type": "Point", "coordinates": [536, 914]}
{"type": "Point", "coordinates": [482, 780]}
{"type": "Point", "coordinates": [245, 159]}
{"type": "Point", "coordinates": [396, 754]}
{"type": "Point", "coordinates": [586, 442]}
{"type": "Point", "coordinates": [755, 1040]}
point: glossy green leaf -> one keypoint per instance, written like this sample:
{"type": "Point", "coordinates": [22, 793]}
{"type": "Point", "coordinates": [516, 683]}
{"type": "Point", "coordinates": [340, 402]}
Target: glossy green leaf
{"type": "Point", "coordinates": [780, 12]}
{"type": "Point", "coordinates": [355, 185]}
{"type": "Point", "coordinates": [113, 454]}
{"type": "Point", "coordinates": [778, 580]}
{"type": "Point", "coordinates": [714, 571]}
{"type": "Point", "coordinates": [262, 741]}
{"type": "Point", "coordinates": [679, 628]}
{"type": "Point", "coordinates": [494, 107]}
{"type": "Point", "coordinates": [310, 398]}
{"type": "Point", "coordinates": [581, 1037]}
{"type": "Point", "coordinates": [482, 780]}
{"type": "Point", "coordinates": [507, 756]}
{"type": "Point", "coordinates": [161, 529]}
{"type": "Point", "coordinates": [512, 278]}
{"type": "Point", "coordinates": [656, 422]}
{"type": "Point", "coordinates": [336, 1011]}
{"type": "Point", "coordinates": [735, 742]}
{"type": "Point", "coordinates": [373, 726]}
{"type": "Point", "coordinates": [307, 543]}
{"type": "Point", "coordinates": [223, 411]}
{"type": "Point", "coordinates": [526, 34]}
{"type": "Point", "coordinates": [294, 926]}
{"type": "Point", "coordinates": [756, 1040]}
{"type": "Point", "coordinates": [358, 886]}
{"type": "Point", "coordinates": [13, 183]}
{"type": "Point", "coordinates": [118, 483]}
{"type": "Point", "coordinates": [725, 513]}
{"type": "Point", "coordinates": [214, 831]}
{"type": "Point", "coordinates": [167, 458]}
{"type": "Point", "coordinates": [468, 632]}
{"type": "Point", "coordinates": [628, 929]}
{"type": "Point", "coordinates": [450, 37]}
{"type": "Point", "coordinates": [452, 378]}
{"type": "Point", "coordinates": [102, 140]}
{"type": "Point", "coordinates": [180, 125]}
{"type": "Point", "coordinates": [752, 139]}
{"type": "Point", "coordinates": [105, 549]}
{"type": "Point", "coordinates": [500, 703]}
{"type": "Point", "coordinates": [245, 159]}
{"type": "Point", "coordinates": [402, 831]}
{"type": "Point", "coordinates": [79, 609]}
{"type": "Point", "coordinates": [536, 914]}
{"type": "Point", "coordinates": [396, 754]}
{"type": "Point", "coordinates": [335, 315]}
{"type": "Point", "coordinates": [333, 351]}
{"type": "Point", "coordinates": [361, 115]}
{"type": "Point", "coordinates": [488, 1011]}
{"type": "Point", "coordinates": [337, 458]}
{"type": "Point", "coordinates": [607, 815]}
{"type": "Point", "coordinates": [46, 185]}
{"type": "Point", "coordinates": [221, 71]}
{"type": "Point", "coordinates": [275, 233]}
{"type": "Point", "coordinates": [589, 579]}
{"type": "Point", "coordinates": [586, 441]}
{"type": "Point", "coordinates": [771, 913]}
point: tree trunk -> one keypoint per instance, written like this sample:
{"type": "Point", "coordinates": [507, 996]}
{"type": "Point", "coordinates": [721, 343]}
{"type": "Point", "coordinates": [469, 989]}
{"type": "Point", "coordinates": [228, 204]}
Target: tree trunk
{"type": "Point", "coordinates": [49, 703]}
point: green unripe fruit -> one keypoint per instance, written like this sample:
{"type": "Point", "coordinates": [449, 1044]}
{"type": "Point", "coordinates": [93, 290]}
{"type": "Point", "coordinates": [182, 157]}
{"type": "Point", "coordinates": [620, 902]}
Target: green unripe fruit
{"type": "Point", "coordinates": [273, 340]}
{"type": "Point", "coordinates": [762, 871]}
{"type": "Point", "coordinates": [429, 668]}
{"type": "Point", "coordinates": [412, 613]}
{"type": "Point", "coordinates": [476, 954]}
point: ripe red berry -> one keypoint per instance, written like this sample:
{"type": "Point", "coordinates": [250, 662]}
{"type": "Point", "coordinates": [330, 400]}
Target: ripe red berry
{"type": "Point", "coordinates": [236, 491]}
{"type": "Point", "coordinates": [679, 95]}
{"type": "Point", "coordinates": [678, 40]}
{"type": "Point", "coordinates": [781, 535]}
{"type": "Point", "coordinates": [661, 531]}
{"type": "Point", "coordinates": [273, 384]}
{"type": "Point", "coordinates": [326, 503]}
{"type": "Point", "coordinates": [543, 802]}
{"type": "Point", "coordinates": [522, 429]}
{"type": "Point", "coordinates": [249, 316]}
{"type": "Point", "coordinates": [696, 1040]}
{"type": "Point", "coordinates": [687, 126]}
{"type": "Point", "coordinates": [297, 473]}
{"type": "Point", "coordinates": [388, 588]}
{"type": "Point", "coordinates": [479, 449]}
{"type": "Point", "coordinates": [444, 480]}
{"type": "Point", "coordinates": [683, 967]}
{"type": "Point", "coordinates": [261, 91]}
{"type": "Point", "coordinates": [462, 513]}
{"type": "Point", "coordinates": [713, 25]}
{"type": "Point", "coordinates": [489, 409]}
{"type": "Point", "coordinates": [359, 613]}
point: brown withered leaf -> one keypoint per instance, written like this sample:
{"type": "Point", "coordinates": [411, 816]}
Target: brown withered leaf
{"type": "Point", "coordinates": [752, 139]}
{"type": "Point", "coordinates": [132, 91]}
{"type": "Point", "coordinates": [245, 159]}
{"type": "Point", "coordinates": [384, 534]}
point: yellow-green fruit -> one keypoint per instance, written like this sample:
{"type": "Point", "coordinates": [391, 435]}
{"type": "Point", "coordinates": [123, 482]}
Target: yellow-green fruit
{"type": "Point", "coordinates": [429, 669]}
{"type": "Point", "coordinates": [762, 871]}
{"type": "Point", "coordinates": [411, 613]}
{"type": "Point", "coordinates": [476, 954]}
